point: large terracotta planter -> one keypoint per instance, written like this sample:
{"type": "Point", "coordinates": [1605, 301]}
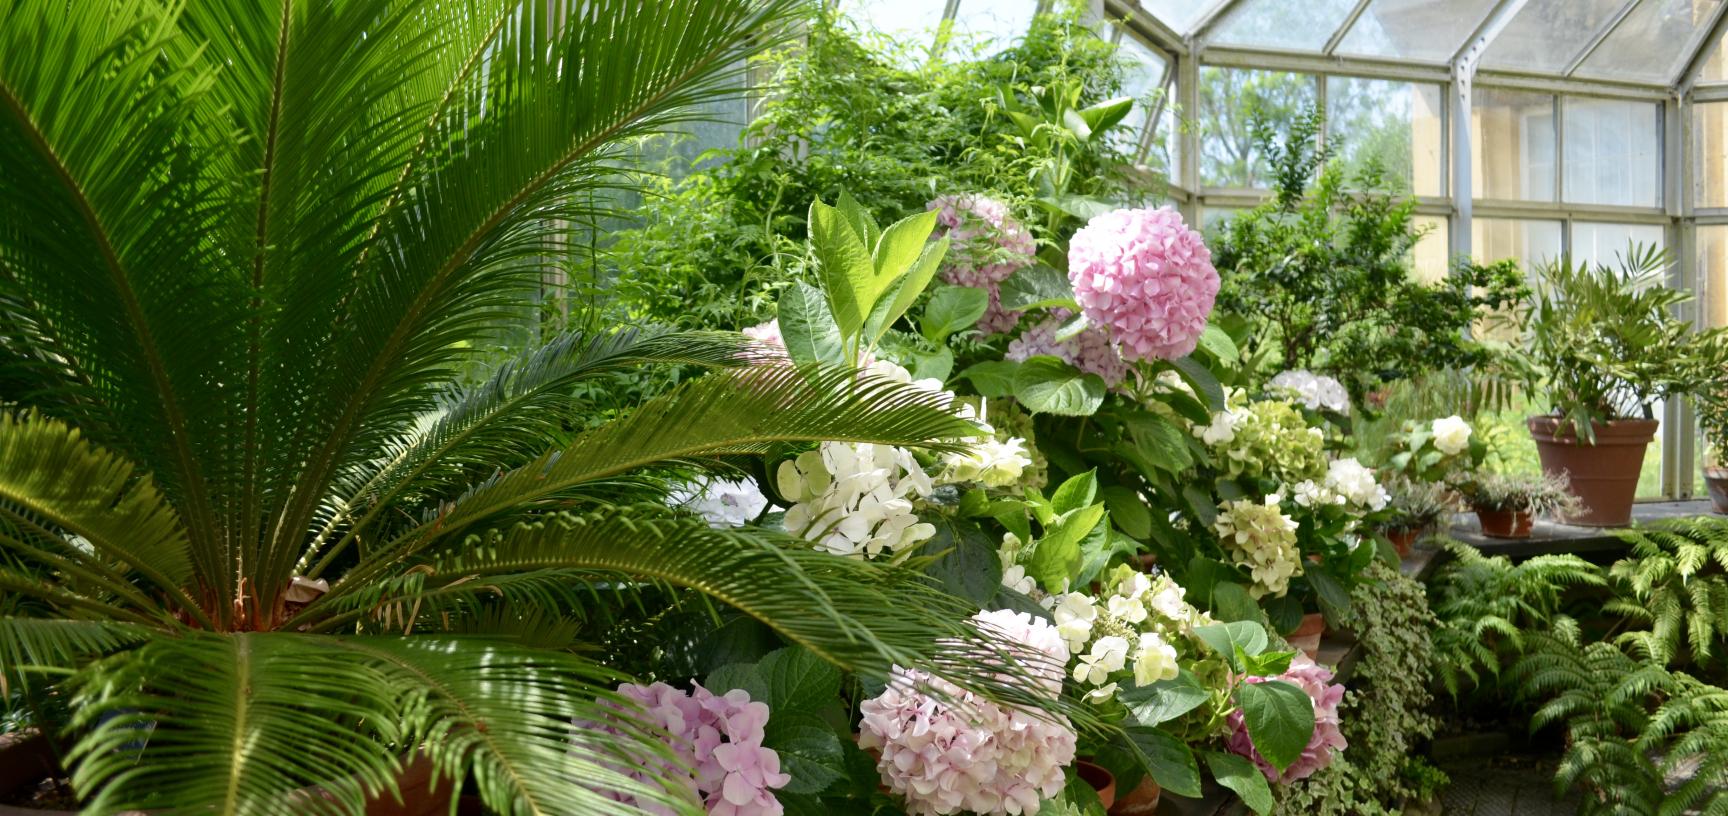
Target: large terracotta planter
{"type": "Point", "coordinates": [1141, 801]}
{"type": "Point", "coordinates": [1404, 539]}
{"type": "Point", "coordinates": [1100, 779]}
{"type": "Point", "coordinates": [1505, 523]}
{"type": "Point", "coordinates": [27, 759]}
{"type": "Point", "coordinates": [1716, 481]}
{"type": "Point", "coordinates": [1604, 476]}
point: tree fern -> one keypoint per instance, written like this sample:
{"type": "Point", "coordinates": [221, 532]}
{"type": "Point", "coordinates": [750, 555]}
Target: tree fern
{"type": "Point", "coordinates": [1675, 581]}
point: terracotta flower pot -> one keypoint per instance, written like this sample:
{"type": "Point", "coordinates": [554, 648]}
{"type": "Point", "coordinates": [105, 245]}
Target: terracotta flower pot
{"type": "Point", "coordinates": [26, 760]}
{"type": "Point", "coordinates": [1505, 523]}
{"type": "Point", "coordinates": [1100, 779]}
{"type": "Point", "coordinates": [1716, 480]}
{"type": "Point", "coordinates": [1604, 476]}
{"type": "Point", "coordinates": [1141, 801]}
{"type": "Point", "coordinates": [1404, 539]}
{"type": "Point", "coordinates": [1307, 636]}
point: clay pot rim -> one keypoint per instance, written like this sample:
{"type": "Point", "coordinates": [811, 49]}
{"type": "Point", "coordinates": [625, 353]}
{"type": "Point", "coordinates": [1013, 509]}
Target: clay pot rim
{"type": "Point", "coordinates": [1090, 772]}
{"type": "Point", "coordinates": [1618, 431]}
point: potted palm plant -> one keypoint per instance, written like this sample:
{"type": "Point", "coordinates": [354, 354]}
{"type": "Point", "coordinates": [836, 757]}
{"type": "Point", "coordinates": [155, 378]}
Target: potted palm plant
{"type": "Point", "coordinates": [261, 531]}
{"type": "Point", "coordinates": [1607, 345]}
{"type": "Point", "coordinates": [1507, 505]}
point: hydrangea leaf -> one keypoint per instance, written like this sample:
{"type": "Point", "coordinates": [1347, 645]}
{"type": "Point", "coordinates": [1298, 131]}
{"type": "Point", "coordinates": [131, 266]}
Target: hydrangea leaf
{"type": "Point", "coordinates": [1167, 759]}
{"type": "Point", "coordinates": [1242, 776]}
{"type": "Point", "coordinates": [1164, 700]}
{"type": "Point", "coordinates": [993, 378]}
{"type": "Point", "coordinates": [808, 326]}
{"type": "Point", "coordinates": [1038, 287]}
{"type": "Point", "coordinates": [1224, 638]}
{"type": "Point", "coordinates": [1280, 719]}
{"type": "Point", "coordinates": [1047, 385]}
{"type": "Point", "coordinates": [953, 309]}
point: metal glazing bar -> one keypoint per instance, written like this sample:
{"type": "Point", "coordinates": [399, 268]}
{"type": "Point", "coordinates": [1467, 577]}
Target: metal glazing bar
{"type": "Point", "coordinates": [1702, 47]}
{"type": "Point", "coordinates": [1601, 34]}
{"type": "Point", "coordinates": [1344, 28]}
{"type": "Point", "coordinates": [1203, 27]}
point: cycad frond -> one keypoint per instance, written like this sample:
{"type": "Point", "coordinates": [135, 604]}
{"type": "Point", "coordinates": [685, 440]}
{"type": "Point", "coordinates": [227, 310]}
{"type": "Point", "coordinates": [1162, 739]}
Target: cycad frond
{"type": "Point", "coordinates": [29, 645]}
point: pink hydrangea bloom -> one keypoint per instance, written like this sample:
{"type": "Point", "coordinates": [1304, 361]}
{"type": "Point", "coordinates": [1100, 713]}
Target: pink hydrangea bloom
{"type": "Point", "coordinates": [947, 751]}
{"type": "Point", "coordinates": [1148, 277]}
{"type": "Point", "coordinates": [719, 737]}
{"type": "Point", "coordinates": [987, 245]}
{"type": "Point", "coordinates": [1327, 741]}
{"type": "Point", "coordinates": [1090, 350]}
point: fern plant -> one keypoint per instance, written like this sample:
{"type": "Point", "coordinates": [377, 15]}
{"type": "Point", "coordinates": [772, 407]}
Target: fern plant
{"type": "Point", "coordinates": [1675, 583]}
{"type": "Point", "coordinates": [263, 535]}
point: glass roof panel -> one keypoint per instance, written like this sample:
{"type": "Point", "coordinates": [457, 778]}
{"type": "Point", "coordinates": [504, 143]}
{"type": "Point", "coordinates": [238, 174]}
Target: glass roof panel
{"type": "Point", "coordinates": [1414, 29]}
{"type": "Point", "coordinates": [900, 19]}
{"type": "Point", "coordinates": [1179, 15]}
{"type": "Point", "coordinates": [1649, 45]}
{"type": "Point", "coordinates": [1547, 35]}
{"type": "Point", "coordinates": [1001, 22]}
{"type": "Point", "coordinates": [1304, 26]}
{"type": "Point", "coordinates": [1716, 64]}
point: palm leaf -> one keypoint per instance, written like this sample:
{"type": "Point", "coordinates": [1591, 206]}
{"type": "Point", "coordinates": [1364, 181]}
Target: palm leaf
{"type": "Point", "coordinates": [31, 645]}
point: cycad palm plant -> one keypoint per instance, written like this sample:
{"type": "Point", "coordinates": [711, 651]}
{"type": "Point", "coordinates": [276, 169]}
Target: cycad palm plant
{"type": "Point", "coordinates": [242, 248]}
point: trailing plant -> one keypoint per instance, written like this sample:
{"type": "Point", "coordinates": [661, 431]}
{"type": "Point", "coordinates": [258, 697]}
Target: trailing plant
{"type": "Point", "coordinates": [1323, 272]}
{"type": "Point", "coordinates": [1386, 711]}
{"type": "Point", "coordinates": [248, 480]}
{"type": "Point", "coordinates": [1541, 495]}
{"type": "Point", "coordinates": [1608, 342]}
{"type": "Point", "coordinates": [1711, 403]}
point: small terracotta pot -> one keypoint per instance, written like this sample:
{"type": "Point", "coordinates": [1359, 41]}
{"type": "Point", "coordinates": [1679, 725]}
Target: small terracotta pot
{"type": "Point", "coordinates": [1716, 481]}
{"type": "Point", "coordinates": [1604, 476]}
{"type": "Point", "coordinates": [1141, 801]}
{"type": "Point", "coordinates": [26, 760]}
{"type": "Point", "coordinates": [1404, 539]}
{"type": "Point", "coordinates": [1100, 779]}
{"type": "Point", "coordinates": [1307, 636]}
{"type": "Point", "coordinates": [1505, 523]}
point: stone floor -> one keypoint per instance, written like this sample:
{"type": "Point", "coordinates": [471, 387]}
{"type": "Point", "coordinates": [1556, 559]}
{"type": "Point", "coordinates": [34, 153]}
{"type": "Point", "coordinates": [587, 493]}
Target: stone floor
{"type": "Point", "coordinates": [1504, 786]}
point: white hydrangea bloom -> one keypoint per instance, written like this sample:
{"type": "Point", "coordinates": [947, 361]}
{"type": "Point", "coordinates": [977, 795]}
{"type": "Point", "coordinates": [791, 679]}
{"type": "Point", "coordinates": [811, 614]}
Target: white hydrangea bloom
{"type": "Point", "coordinates": [894, 372]}
{"type": "Point", "coordinates": [1128, 610]}
{"type": "Point", "coordinates": [1451, 435]}
{"type": "Point", "coordinates": [1109, 655]}
{"type": "Point", "coordinates": [1154, 660]}
{"type": "Point", "coordinates": [1262, 538]}
{"type": "Point", "coordinates": [1221, 431]}
{"type": "Point", "coordinates": [1310, 493]}
{"type": "Point", "coordinates": [721, 502]}
{"type": "Point", "coordinates": [856, 499]}
{"type": "Point", "coordinates": [1102, 694]}
{"type": "Point", "coordinates": [1170, 600]}
{"type": "Point", "coordinates": [1354, 481]}
{"type": "Point", "coordinates": [1074, 614]}
{"type": "Point", "coordinates": [991, 462]}
{"type": "Point", "coordinates": [1315, 391]}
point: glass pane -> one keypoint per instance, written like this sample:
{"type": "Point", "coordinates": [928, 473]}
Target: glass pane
{"type": "Point", "coordinates": [1710, 149]}
{"type": "Point", "coordinates": [1512, 142]}
{"type": "Point", "coordinates": [1433, 250]}
{"type": "Point", "coordinates": [1530, 243]}
{"type": "Point", "coordinates": [1395, 124]}
{"type": "Point", "coordinates": [1548, 34]}
{"type": "Point", "coordinates": [1647, 44]}
{"type": "Point", "coordinates": [1613, 151]}
{"type": "Point", "coordinates": [1715, 68]}
{"type": "Point", "coordinates": [1713, 273]}
{"type": "Point", "coordinates": [900, 19]}
{"type": "Point", "coordinates": [1179, 15]}
{"type": "Point", "coordinates": [1212, 218]}
{"type": "Point", "coordinates": [1604, 244]}
{"type": "Point", "coordinates": [1229, 99]}
{"type": "Point", "coordinates": [1144, 70]}
{"type": "Point", "coordinates": [1298, 26]}
{"type": "Point", "coordinates": [1415, 29]}
{"type": "Point", "coordinates": [999, 22]}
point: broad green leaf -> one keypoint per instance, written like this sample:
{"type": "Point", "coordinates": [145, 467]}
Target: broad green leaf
{"type": "Point", "coordinates": [1202, 380]}
{"type": "Point", "coordinates": [1167, 759]}
{"type": "Point", "coordinates": [900, 289]}
{"type": "Point", "coordinates": [902, 242]}
{"type": "Point", "coordinates": [1079, 491]}
{"type": "Point", "coordinates": [1160, 441]}
{"type": "Point", "coordinates": [953, 309]}
{"type": "Point", "coordinates": [1107, 114]}
{"type": "Point", "coordinates": [1280, 719]}
{"type": "Point", "coordinates": [1225, 638]}
{"type": "Point", "coordinates": [1098, 548]}
{"type": "Point", "coordinates": [809, 753]}
{"type": "Point", "coordinates": [1334, 598]}
{"type": "Point", "coordinates": [1077, 125]}
{"type": "Point", "coordinates": [859, 219]}
{"type": "Point", "coordinates": [1056, 558]}
{"type": "Point", "coordinates": [1241, 775]}
{"type": "Point", "coordinates": [1073, 328]}
{"type": "Point", "coordinates": [969, 567]}
{"type": "Point", "coordinates": [843, 263]}
{"type": "Point", "coordinates": [1231, 602]}
{"type": "Point", "coordinates": [1037, 287]}
{"type": "Point", "coordinates": [992, 379]}
{"type": "Point", "coordinates": [1046, 385]}
{"type": "Point", "coordinates": [933, 365]}
{"type": "Point", "coordinates": [808, 327]}
{"type": "Point", "coordinates": [1082, 207]}
{"type": "Point", "coordinates": [738, 676]}
{"type": "Point", "coordinates": [1217, 343]}
{"type": "Point", "coordinates": [797, 680]}
{"type": "Point", "coordinates": [1164, 700]}
{"type": "Point", "coordinates": [1266, 664]}
{"type": "Point", "coordinates": [1128, 511]}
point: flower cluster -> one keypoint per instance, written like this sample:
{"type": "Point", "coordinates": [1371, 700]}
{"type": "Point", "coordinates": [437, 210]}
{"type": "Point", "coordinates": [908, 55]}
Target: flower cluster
{"type": "Point", "coordinates": [855, 499]}
{"type": "Point", "coordinates": [990, 462]}
{"type": "Point", "coordinates": [1268, 438]}
{"type": "Point", "coordinates": [718, 742]}
{"type": "Point", "coordinates": [946, 750]}
{"type": "Point", "coordinates": [1313, 391]}
{"type": "Point", "coordinates": [1090, 351]}
{"type": "Point", "coordinates": [1145, 276]}
{"type": "Point", "coordinates": [1327, 741]}
{"type": "Point", "coordinates": [1134, 627]}
{"type": "Point", "coordinates": [1259, 536]}
{"type": "Point", "coordinates": [766, 339]}
{"type": "Point", "coordinates": [722, 502]}
{"type": "Point", "coordinates": [986, 246]}
{"type": "Point", "coordinates": [1451, 435]}
{"type": "Point", "coordinates": [1354, 482]}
